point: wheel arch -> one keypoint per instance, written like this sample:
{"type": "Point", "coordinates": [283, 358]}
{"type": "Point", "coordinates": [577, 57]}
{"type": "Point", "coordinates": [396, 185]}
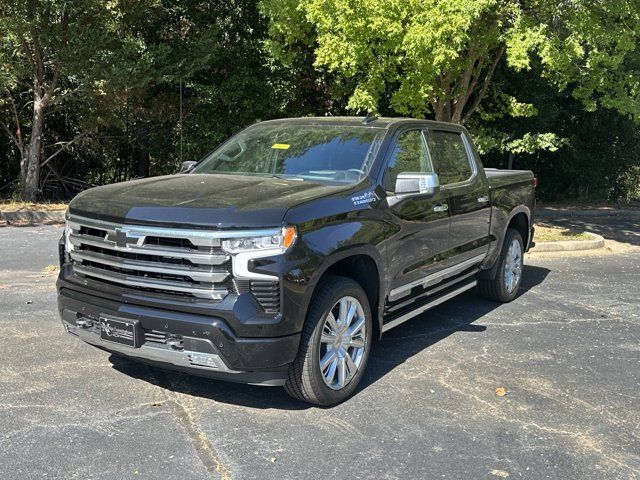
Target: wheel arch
{"type": "Point", "coordinates": [520, 219]}
{"type": "Point", "coordinates": [362, 265]}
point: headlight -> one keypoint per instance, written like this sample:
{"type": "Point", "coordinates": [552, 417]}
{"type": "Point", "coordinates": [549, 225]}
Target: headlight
{"type": "Point", "coordinates": [269, 244]}
{"type": "Point", "coordinates": [67, 231]}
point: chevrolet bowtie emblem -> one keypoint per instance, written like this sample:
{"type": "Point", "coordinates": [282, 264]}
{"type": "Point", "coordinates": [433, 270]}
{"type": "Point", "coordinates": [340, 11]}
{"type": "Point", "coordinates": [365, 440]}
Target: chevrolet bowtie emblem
{"type": "Point", "coordinates": [123, 238]}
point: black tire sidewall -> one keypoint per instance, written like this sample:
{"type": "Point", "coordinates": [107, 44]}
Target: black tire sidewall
{"type": "Point", "coordinates": [328, 396]}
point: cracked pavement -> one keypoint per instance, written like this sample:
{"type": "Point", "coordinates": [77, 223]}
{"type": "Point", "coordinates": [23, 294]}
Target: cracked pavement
{"type": "Point", "coordinates": [567, 352]}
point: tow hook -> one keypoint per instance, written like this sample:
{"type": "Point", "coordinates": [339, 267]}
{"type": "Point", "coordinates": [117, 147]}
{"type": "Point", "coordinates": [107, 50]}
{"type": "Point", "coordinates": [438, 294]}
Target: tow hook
{"type": "Point", "coordinates": [84, 322]}
{"type": "Point", "coordinates": [175, 343]}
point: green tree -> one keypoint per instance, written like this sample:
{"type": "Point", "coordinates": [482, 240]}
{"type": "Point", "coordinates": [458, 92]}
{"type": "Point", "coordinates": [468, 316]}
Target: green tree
{"type": "Point", "coordinates": [49, 50]}
{"type": "Point", "coordinates": [438, 57]}
{"type": "Point", "coordinates": [209, 51]}
{"type": "Point", "coordinates": [590, 156]}
{"type": "Point", "coordinates": [124, 82]}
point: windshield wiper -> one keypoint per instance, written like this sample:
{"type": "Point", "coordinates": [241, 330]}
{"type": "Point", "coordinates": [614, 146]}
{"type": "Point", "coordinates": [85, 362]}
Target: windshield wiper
{"type": "Point", "coordinates": [287, 177]}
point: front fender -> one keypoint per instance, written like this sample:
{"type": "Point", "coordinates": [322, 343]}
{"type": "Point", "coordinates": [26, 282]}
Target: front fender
{"type": "Point", "coordinates": [321, 247]}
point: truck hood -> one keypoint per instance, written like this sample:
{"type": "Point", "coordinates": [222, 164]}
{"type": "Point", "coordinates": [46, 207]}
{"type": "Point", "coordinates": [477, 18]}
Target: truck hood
{"type": "Point", "coordinates": [197, 200]}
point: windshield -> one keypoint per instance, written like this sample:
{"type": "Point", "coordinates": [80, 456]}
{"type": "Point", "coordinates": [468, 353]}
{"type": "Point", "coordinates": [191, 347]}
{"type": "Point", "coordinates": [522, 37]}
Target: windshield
{"type": "Point", "coordinates": [332, 154]}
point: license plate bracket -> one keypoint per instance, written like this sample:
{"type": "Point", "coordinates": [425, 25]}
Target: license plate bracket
{"type": "Point", "coordinates": [122, 331]}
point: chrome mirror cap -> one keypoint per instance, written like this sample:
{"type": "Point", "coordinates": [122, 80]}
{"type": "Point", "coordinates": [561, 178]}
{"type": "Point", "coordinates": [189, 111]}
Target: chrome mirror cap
{"type": "Point", "coordinates": [186, 167]}
{"type": "Point", "coordinates": [417, 183]}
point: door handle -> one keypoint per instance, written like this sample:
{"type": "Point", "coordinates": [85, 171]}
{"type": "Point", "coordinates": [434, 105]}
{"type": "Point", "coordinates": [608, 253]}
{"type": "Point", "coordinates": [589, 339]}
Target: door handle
{"type": "Point", "coordinates": [483, 199]}
{"type": "Point", "coordinates": [441, 208]}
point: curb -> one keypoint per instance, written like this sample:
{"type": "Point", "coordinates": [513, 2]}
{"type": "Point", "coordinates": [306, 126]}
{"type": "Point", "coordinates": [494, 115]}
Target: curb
{"type": "Point", "coordinates": [544, 213]}
{"type": "Point", "coordinates": [570, 246]}
{"type": "Point", "coordinates": [33, 216]}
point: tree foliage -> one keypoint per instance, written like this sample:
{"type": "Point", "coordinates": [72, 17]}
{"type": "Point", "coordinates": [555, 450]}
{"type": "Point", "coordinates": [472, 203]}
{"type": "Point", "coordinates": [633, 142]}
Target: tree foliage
{"type": "Point", "coordinates": [434, 57]}
{"type": "Point", "coordinates": [50, 49]}
{"type": "Point", "coordinates": [126, 68]}
{"type": "Point", "coordinates": [98, 92]}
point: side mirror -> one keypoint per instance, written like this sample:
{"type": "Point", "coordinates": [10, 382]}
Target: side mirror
{"type": "Point", "coordinates": [186, 167]}
{"type": "Point", "coordinates": [417, 183]}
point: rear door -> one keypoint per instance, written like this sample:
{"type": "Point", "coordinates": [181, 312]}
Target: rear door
{"type": "Point", "coordinates": [418, 248]}
{"type": "Point", "coordinates": [454, 161]}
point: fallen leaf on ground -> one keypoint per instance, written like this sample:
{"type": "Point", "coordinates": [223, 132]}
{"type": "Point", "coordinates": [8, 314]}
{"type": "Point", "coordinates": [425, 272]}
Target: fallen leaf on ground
{"type": "Point", "coordinates": [50, 270]}
{"type": "Point", "coordinates": [499, 473]}
{"type": "Point", "coordinates": [501, 392]}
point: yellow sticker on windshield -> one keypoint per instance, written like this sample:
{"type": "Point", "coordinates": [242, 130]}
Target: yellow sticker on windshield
{"type": "Point", "coordinates": [281, 146]}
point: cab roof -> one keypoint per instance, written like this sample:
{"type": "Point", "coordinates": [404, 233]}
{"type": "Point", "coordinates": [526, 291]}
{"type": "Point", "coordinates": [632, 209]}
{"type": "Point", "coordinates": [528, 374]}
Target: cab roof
{"type": "Point", "coordinates": [352, 121]}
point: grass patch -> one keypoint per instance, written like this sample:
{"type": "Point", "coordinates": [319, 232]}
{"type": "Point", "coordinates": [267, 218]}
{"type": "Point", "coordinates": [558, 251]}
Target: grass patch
{"type": "Point", "coordinates": [10, 206]}
{"type": "Point", "coordinates": [559, 234]}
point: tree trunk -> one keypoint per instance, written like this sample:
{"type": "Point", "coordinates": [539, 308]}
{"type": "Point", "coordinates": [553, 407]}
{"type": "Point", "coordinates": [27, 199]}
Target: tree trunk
{"type": "Point", "coordinates": [442, 110]}
{"type": "Point", "coordinates": [142, 152]}
{"type": "Point", "coordinates": [30, 164]}
{"type": "Point", "coordinates": [24, 162]}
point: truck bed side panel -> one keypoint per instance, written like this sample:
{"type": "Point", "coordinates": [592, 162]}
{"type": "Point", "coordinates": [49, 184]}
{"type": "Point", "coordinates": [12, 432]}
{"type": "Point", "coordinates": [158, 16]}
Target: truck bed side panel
{"type": "Point", "coordinates": [512, 193]}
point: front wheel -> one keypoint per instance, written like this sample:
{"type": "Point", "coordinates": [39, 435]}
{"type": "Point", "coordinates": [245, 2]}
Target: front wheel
{"type": "Point", "coordinates": [334, 345]}
{"type": "Point", "coordinates": [504, 287]}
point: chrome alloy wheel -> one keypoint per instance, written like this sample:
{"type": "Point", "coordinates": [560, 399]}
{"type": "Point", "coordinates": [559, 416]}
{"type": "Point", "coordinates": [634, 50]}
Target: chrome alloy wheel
{"type": "Point", "coordinates": [343, 343]}
{"type": "Point", "coordinates": [513, 266]}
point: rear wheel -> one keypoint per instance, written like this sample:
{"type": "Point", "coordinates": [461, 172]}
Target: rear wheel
{"type": "Point", "coordinates": [334, 346]}
{"type": "Point", "coordinates": [504, 287]}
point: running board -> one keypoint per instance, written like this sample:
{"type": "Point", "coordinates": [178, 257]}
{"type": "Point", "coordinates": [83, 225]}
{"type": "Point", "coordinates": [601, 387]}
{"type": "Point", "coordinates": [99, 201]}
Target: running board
{"type": "Point", "coordinates": [436, 301]}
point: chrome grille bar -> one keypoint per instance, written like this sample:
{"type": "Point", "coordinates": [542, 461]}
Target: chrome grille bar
{"type": "Point", "coordinates": [168, 285]}
{"type": "Point", "coordinates": [166, 260]}
{"type": "Point", "coordinates": [195, 274]}
{"type": "Point", "coordinates": [169, 252]}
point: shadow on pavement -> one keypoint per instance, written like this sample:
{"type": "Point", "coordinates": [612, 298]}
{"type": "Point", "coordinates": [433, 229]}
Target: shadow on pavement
{"type": "Point", "coordinates": [395, 348]}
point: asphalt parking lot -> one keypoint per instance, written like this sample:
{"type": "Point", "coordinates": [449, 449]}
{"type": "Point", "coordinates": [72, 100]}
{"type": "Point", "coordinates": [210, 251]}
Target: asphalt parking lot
{"type": "Point", "coordinates": [566, 351]}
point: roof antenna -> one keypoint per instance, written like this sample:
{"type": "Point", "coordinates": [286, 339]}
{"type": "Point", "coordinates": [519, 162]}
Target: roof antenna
{"type": "Point", "coordinates": [370, 117]}
{"type": "Point", "coordinates": [181, 120]}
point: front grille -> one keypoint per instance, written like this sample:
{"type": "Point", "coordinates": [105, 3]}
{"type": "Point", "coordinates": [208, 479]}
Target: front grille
{"type": "Point", "coordinates": [162, 260]}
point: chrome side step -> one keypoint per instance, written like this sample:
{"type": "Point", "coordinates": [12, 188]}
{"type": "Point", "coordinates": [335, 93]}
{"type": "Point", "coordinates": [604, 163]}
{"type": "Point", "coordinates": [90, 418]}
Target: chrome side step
{"type": "Point", "coordinates": [435, 302]}
{"type": "Point", "coordinates": [435, 278]}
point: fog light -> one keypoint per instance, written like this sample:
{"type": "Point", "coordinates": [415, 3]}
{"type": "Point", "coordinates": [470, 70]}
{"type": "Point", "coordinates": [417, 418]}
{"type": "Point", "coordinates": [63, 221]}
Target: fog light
{"type": "Point", "coordinates": [203, 359]}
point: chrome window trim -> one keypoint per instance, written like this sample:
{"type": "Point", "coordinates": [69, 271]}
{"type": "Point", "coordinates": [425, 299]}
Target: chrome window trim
{"type": "Point", "coordinates": [394, 142]}
{"type": "Point", "coordinates": [470, 159]}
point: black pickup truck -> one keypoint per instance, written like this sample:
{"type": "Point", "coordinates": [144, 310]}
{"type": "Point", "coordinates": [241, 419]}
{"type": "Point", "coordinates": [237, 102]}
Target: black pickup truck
{"type": "Point", "coordinates": [280, 256]}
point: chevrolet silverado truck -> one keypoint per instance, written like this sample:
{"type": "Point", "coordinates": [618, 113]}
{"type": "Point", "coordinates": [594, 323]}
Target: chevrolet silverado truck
{"type": "Point", "coordinates": [279, 257]}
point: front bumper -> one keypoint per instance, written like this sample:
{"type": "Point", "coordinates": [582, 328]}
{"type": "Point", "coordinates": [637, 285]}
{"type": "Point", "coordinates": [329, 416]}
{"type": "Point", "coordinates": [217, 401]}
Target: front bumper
{"type": "Point", "coordinates": [206, 345]}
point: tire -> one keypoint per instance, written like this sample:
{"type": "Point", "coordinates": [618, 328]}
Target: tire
{"type": "Point", "coordinates": [496, 289]}
{"type": "Point", "coordinates": [305, 379]}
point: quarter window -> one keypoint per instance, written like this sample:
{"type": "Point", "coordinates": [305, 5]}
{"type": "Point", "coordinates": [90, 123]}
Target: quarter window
{"type": "Point", "coordinates": [449, 156]}
{"type": "Point", "coordinates": [409, 156]}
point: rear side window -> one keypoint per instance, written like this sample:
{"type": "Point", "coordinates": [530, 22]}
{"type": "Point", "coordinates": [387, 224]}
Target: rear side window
{"type": "Point", "coordinates": [409, 156]}
{"type": "Point", "coordinates": [449, 156]}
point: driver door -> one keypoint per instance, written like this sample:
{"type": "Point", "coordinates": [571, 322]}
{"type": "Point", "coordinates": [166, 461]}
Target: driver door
{"type": "Point", "coordinates": [421, 244]}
